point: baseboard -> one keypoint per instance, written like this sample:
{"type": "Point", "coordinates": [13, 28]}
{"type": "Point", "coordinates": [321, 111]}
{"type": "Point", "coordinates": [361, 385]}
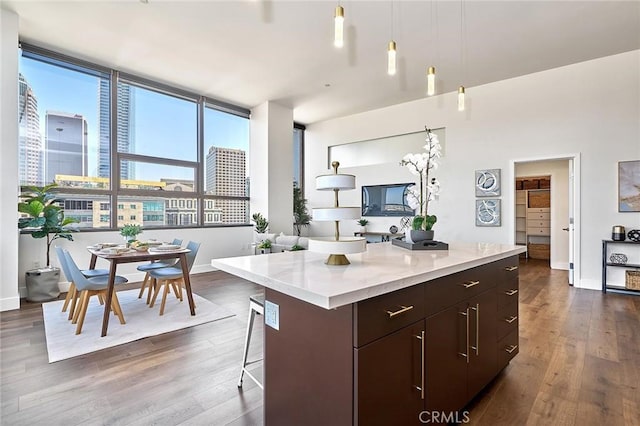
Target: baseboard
{"type": "Point", "coordinates": [9, 304]}
{"type": "Point", "coordinates": [564, 266]}
{"type": "Point", "coordinates": [589, 284]}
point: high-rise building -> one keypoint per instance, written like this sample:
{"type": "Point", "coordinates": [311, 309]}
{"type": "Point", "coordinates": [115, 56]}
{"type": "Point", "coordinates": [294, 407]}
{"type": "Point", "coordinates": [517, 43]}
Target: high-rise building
{"type": "Point", "coordinates": [66, 145]}
{"type": "Point", "coordinates": [30, 140]}
{"type": "Point", "coordinates": [125, 134]}
{"type": "Point", "coordinates": [226, 174]}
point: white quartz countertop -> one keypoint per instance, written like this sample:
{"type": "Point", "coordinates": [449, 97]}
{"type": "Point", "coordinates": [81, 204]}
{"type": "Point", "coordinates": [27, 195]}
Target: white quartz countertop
{"type": "Point", "coordinates": [381, 269]}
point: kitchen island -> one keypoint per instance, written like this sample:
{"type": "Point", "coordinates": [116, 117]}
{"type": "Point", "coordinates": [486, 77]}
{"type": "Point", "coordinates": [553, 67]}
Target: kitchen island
{"type": "Point", "coordinates": [394, 334]}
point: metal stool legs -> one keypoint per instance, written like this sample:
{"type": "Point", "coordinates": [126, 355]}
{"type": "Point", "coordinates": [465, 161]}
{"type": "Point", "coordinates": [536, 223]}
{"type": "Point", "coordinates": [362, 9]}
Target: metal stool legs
{"type": "Point", "coordinates": [256, 306]}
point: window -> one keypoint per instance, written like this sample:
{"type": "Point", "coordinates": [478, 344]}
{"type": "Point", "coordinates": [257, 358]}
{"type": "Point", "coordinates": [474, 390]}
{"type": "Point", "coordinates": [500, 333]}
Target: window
{"type": "Point", "coordinates": [165, 173]}
{"type": "Point", "coordinates": [59, 124]}
{"type": "Point", "coordinates": [298, 155]}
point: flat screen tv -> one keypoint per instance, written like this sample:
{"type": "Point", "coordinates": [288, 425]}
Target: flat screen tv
{"type": "Point", "coordinates": [386, 200]}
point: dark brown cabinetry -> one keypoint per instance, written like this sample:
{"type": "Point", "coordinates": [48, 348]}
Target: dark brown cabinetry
{"type": "Point", "coordinates": [432, 346]}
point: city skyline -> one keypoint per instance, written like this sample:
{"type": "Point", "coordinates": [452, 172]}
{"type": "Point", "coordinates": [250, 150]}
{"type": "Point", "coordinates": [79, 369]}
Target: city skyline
{"type": "Point", "coordinates": [149, 130]}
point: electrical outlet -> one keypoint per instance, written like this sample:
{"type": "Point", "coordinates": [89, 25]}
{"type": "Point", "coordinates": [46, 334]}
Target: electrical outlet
{"type": "Point", "coordinates": [272, 314]}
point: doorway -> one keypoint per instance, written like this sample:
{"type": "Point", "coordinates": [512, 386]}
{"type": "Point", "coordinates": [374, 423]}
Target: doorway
{"type": "Point", "coordinates": [563, 210]}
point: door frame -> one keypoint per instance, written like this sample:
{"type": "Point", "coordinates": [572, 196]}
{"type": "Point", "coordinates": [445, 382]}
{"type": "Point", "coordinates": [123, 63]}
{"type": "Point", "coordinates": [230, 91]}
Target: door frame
{"type": "Point", "coordinates": [574, 204]}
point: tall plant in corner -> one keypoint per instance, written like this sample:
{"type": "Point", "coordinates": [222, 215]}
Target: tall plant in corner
{"type": "Point", "coordinates": [44, 218]}
{"type": "Point", "coordinates": [301, 216]}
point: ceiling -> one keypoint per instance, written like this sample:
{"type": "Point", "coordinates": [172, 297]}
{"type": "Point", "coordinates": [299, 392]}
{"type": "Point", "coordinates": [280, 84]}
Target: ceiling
{"type": "Point", "coordinates": [249, 52]}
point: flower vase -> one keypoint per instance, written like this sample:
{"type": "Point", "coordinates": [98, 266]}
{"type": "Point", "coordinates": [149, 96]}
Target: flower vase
{"type": "Point", "coordinates": [418, 235]}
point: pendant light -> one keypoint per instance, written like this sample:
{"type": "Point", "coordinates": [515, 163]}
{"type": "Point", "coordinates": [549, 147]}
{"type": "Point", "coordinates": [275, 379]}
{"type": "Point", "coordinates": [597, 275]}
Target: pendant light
{"type": "Point", "coordinates": [391, 48]}
{"type": "Point", "coordinates": [432, 42]}
{"type": "Point", "coordinates": [338, 30]}
{"type": "Point", "coordinates": [391, 58]}
{"type": "Point", "coordinates": [431, 81]}
{"type": "Point", "coordinates": [461, 90]}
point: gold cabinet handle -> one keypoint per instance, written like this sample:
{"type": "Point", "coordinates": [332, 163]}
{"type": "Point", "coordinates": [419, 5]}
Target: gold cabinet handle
{"type": "Point", "coordinates": [477, 346]}
{"type": "Point", "coordinates": [511, 292]}
{"type": "Point", "coordinates": [466, 349]}
{"type": "Point", "coordinates": [402, 310]}
{"type": "Point", "coordinates": [421, 387]}
{"type": "Point", "coordinates": [511, 348]}
{"type": "Point", "coordinates": [512, 319]}
{"type": "Point", "coordinates": [510, 268]}
{"type": "Point", "coordinates": [470, 284]}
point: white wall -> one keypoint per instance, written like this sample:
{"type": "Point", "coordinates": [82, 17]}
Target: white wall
{"type": "Point", "coordinates": [9, 298]}
{"type": "Point", "coordinates": [551, 113]}
{"type": "Point", "coordinates": [559, 172]}
{"type": "Point", "coordinates": [271, 165]}
{"type": "Point", "coordinates": [215, 243]}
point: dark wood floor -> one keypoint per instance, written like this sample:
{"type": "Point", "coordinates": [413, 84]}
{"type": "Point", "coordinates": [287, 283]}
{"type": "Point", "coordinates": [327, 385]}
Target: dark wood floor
{"type": "Point", "coordinates": [579, 364]}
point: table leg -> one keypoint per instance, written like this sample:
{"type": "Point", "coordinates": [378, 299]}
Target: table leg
{"type": "Point", "coordinates": [92, 263]}
{"type": "Point", "coordinates": [107, 302]}
{"type": "Point", "coordinates": [187, 282]}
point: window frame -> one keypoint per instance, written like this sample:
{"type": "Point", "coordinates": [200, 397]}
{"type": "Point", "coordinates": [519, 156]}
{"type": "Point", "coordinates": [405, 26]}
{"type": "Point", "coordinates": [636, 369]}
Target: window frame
{"type": "Point", "coordinates": [114, 191]}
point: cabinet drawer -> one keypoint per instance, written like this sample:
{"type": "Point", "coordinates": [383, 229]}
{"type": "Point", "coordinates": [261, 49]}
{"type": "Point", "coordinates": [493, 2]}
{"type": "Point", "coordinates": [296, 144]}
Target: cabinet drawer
{"type": "Point", "coordinates": [539, 215]}
{"type": "Point", "coordinates": [452, 289]}
{"type": "Point", "coordinates": [507, 295]}
{"type": "Point", "coordinates": [507, 319]}
{"type": "Point", "coordinates": [382, 315]}
{"type": "Point", "coordinates": [508, 347]}
{"type": "Point", "coordinates": [532, 210]}
{"type": "Point", "coordinates": [538, 231]}
{"type": "Point", "coordinates": [538, 223]}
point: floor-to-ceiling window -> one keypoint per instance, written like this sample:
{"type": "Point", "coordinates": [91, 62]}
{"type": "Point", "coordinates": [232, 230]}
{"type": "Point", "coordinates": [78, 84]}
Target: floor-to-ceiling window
{"type": "Point", "coordinates": [128, 150]}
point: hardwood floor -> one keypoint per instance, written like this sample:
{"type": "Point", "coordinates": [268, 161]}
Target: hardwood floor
{"type": "Point", "coordinates": [579, 364]}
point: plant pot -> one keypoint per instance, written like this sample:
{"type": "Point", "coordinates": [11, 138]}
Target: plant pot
{"type": "Point", "coordinates": [417, 235]}
{"type": "Point", "coordinates": [264, 250]}
{"type": "Point", "coordinates": [363, 229]}
{"type": "Point", "coordinates": [42, 284]}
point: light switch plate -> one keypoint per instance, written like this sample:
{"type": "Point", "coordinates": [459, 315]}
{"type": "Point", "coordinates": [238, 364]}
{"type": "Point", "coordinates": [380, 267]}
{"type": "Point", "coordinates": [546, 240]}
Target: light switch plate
{"type": "Point", "coordinates": [272, 314]}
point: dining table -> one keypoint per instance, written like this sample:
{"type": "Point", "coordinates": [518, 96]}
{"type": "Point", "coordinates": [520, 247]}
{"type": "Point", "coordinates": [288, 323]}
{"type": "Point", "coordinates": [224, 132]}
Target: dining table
{"type": "Point", "coordinates": [132, 256]}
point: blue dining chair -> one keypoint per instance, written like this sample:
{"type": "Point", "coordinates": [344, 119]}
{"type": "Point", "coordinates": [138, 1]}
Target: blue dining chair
{"type": "Point", "coordinates": [156, 264]}
{"type": "Point", "coordinates": [172, 277]}
{"type": "Point", "coordinates": [72, 294]}
{"type": "Point", "coordinates": [92, 287]}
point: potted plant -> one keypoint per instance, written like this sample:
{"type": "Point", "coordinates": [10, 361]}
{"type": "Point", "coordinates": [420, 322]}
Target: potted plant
{"type": "Point", "coordinates": [261, 223]}
{"type": "Point", "coordinates": [45, 219]}
{"type": "Point", "coordinates": [418, 196]}
{"type": "Point", "coordinates": [130, 232]}
{"type": "Point", "coordinates": [363, 224]}
{"type": "Point", "coordinates": [296, 247]}
{"type": "Point", "coordinates": [264, 247]}
{"type": "Point", "coordinates": [301, 216]}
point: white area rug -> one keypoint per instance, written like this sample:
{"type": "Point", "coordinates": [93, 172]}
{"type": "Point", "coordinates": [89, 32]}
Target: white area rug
{"type": "Point", "coordinates": [141, 322]}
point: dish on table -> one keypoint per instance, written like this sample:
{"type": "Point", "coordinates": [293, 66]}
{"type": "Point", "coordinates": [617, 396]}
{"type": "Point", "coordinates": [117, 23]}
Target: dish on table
{"type": "Point", "coordinates": [115, 250]}
{"type": "Point", "coordinates": [99, 246]}
{"type": "Point", "coordinates": [167, 247]}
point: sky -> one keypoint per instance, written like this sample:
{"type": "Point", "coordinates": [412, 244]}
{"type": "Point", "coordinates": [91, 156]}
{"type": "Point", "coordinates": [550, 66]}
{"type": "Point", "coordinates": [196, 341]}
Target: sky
{"type": "Point", "coordinates": [164, 126]}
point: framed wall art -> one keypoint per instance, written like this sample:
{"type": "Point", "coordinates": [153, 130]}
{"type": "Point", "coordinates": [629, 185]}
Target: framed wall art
{"type": "Point", "coordinates": [488, 183]}
{"type": "Point", "coordinates": [488, 212]}
{"type": "Point", "coordinates": [629, 186]}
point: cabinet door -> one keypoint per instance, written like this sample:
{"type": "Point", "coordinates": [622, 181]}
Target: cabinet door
{"type": "Point", "coordinates": [389, 378]}
{"type": "Point", "coordinates": [447, 333]}
{"type": "Point", "coordinates": [483, 349]}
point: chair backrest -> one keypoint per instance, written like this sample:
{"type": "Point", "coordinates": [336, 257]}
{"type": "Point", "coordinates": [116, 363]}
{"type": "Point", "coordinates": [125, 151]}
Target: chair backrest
{"type": "Point", "coordinates": [63, 263]}
{"type": "Point", "coordinates": [81, 282]}
{"type": "Point", "coordinates": [177, 242]}
{"type": "Point", "coordinates": [191, 256]}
